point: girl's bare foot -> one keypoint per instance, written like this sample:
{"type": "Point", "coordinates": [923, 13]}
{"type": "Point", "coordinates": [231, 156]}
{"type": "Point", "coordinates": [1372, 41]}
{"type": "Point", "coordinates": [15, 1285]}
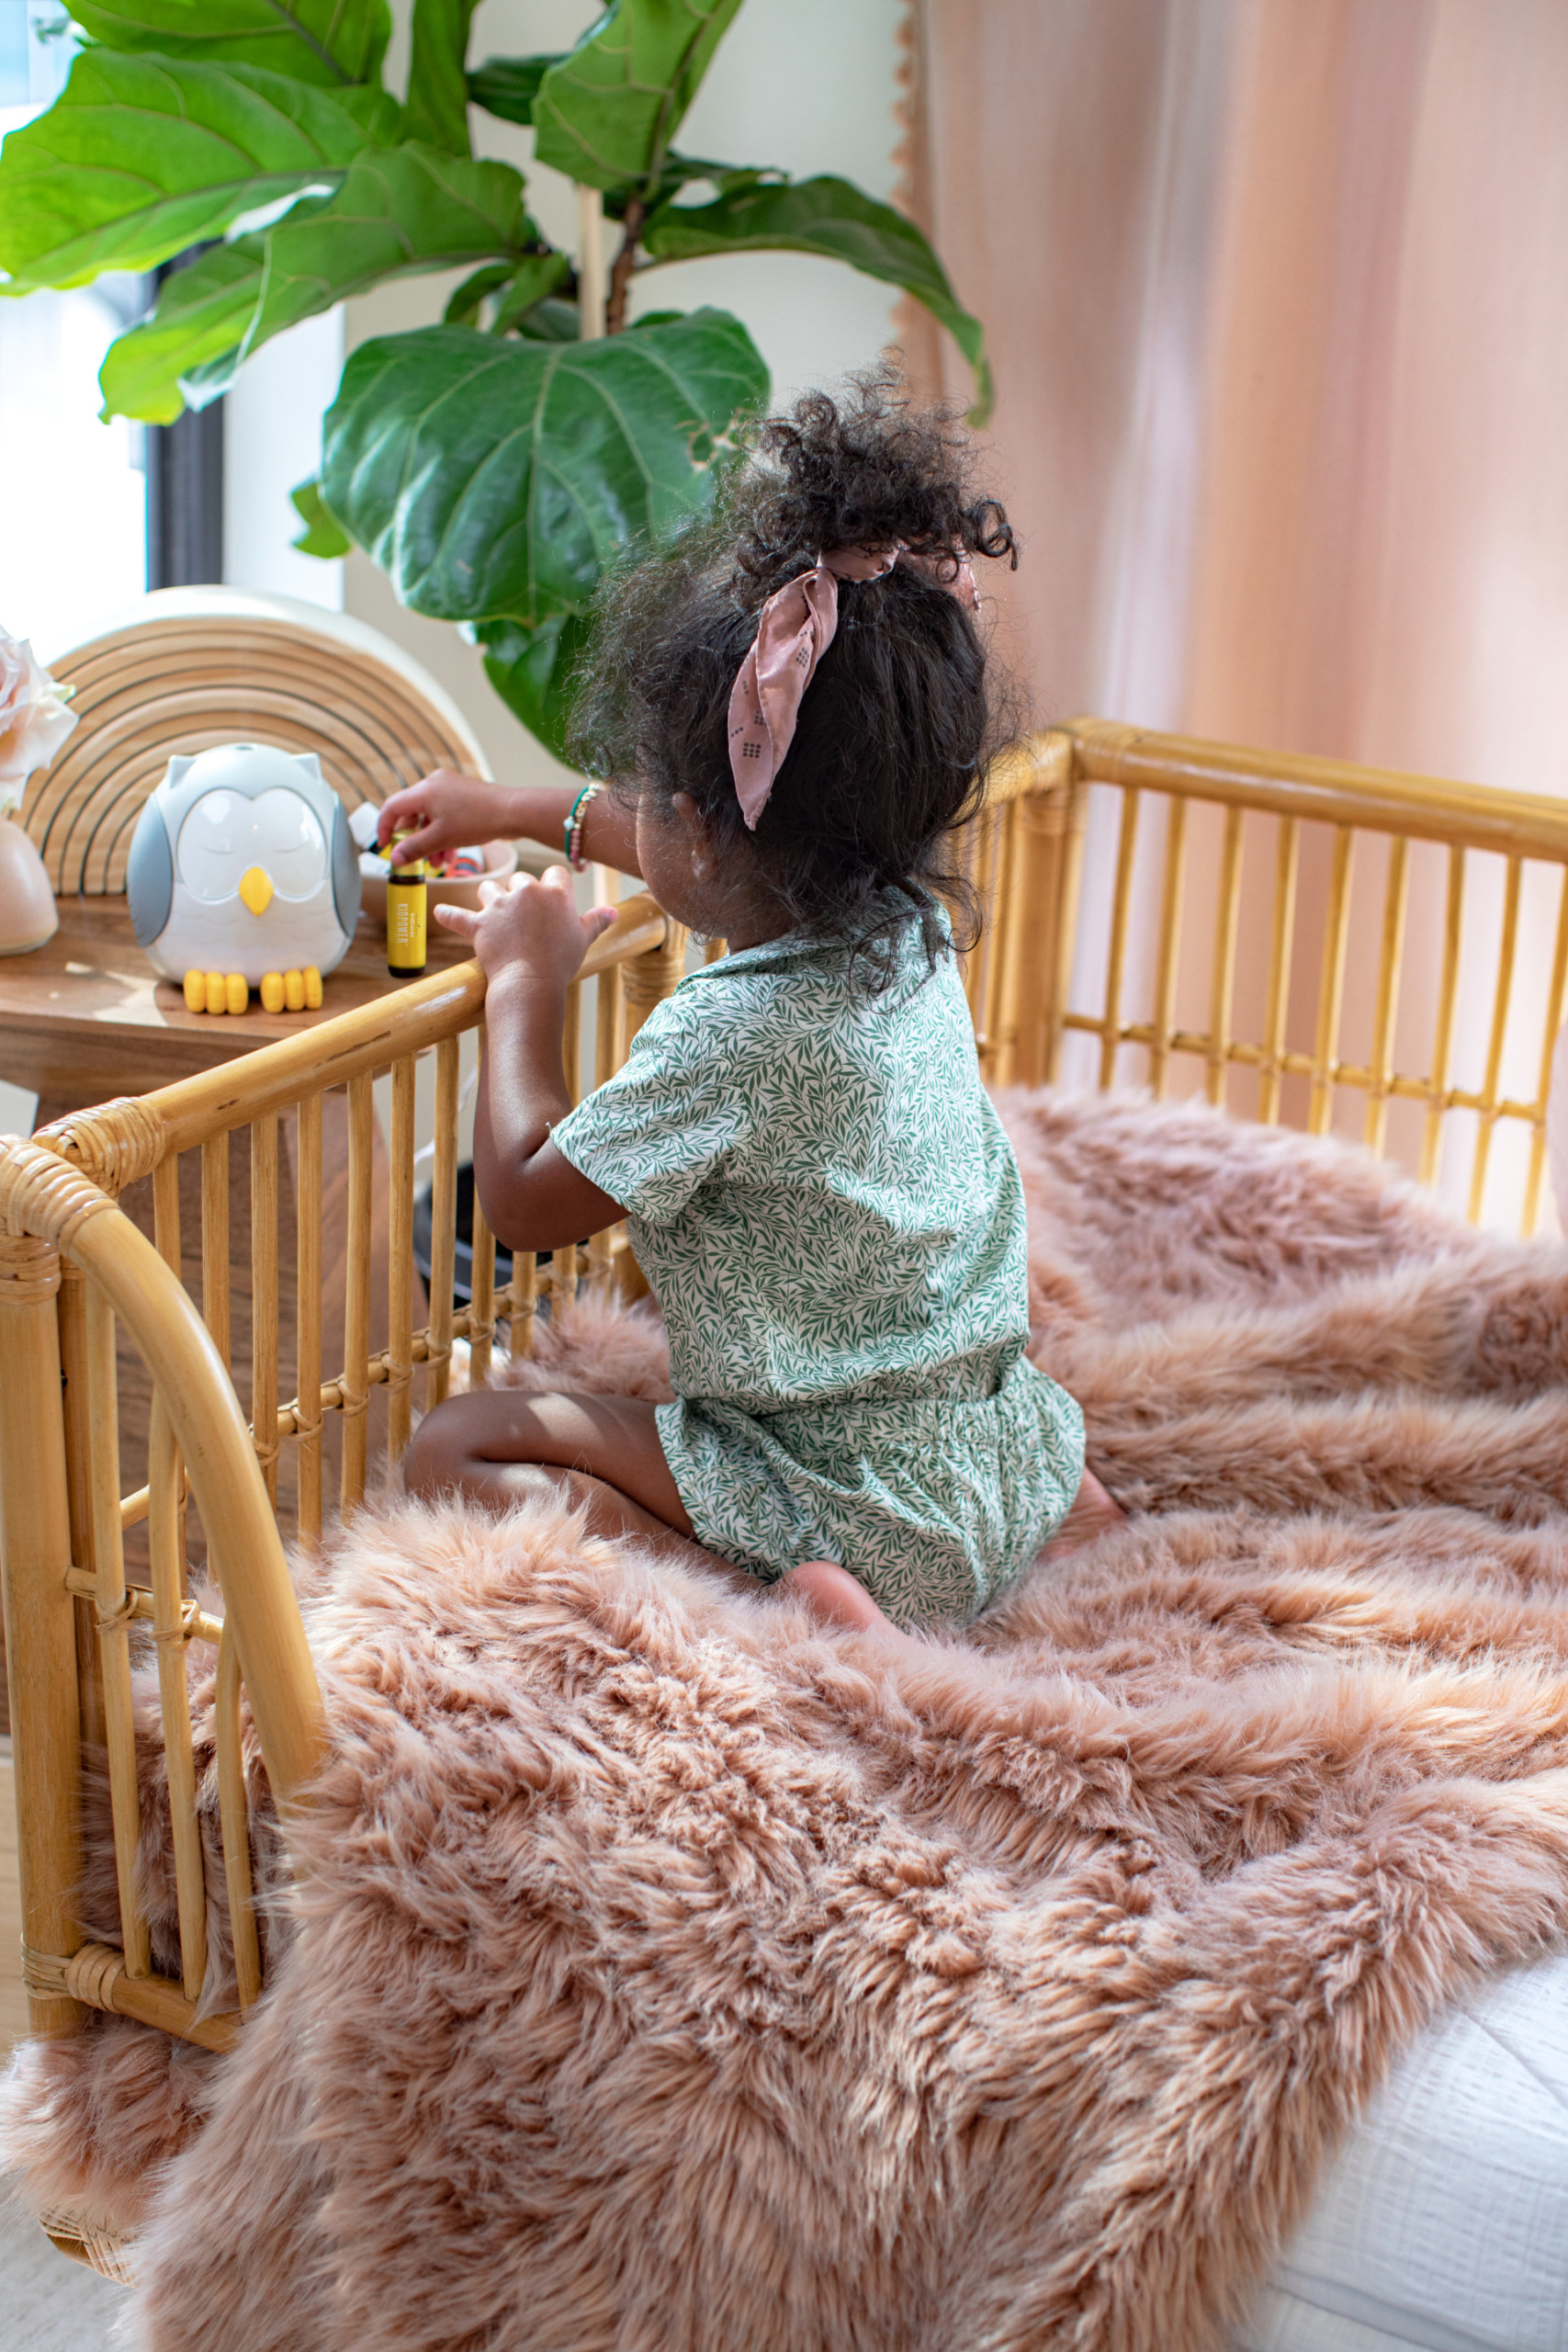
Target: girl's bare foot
{"type": "Point", "coordinates": [1092, 1513]}
{"type": "Point", "coordinates": [832, 1596]}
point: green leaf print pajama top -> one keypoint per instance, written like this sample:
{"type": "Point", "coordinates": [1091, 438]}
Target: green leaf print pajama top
{"type": "Point", "coordinates": [830, 1215]}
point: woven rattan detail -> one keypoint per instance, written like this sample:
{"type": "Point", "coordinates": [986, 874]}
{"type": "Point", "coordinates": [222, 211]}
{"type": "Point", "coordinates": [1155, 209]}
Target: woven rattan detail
{"type": "Point", "coordinates": [102, 2250]}
{"type": "Point", "coordinates": [43, 1195]}
{"type": "Point", "coordinates": [30, 1269]}
{"type": "Point", "coordinates": [147, 692]}
{"type": "Point", "coordinates": [116, 1145]}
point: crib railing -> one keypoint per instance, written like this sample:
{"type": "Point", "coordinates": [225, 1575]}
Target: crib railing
{"type": "Point", "coordinates": [140, 1432]}
{"type": "Point", "coordinates": [74, 1270]}
{"type": "Point", "coordinates": [1240, 911]}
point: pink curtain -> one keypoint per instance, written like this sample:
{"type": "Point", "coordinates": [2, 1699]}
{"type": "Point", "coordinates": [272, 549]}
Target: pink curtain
{"type": "Point", "coordinates": [1277, 292]}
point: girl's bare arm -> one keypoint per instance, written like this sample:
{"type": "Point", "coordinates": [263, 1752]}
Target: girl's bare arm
{"type": "Point", "coordinates": [449, 811]}
{"type": "Point", "coordinates": [530, 940]}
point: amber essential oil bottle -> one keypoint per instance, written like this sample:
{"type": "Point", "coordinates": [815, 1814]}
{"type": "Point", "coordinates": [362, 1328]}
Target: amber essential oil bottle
{"type": "Point", "coordinates": [407, 891]}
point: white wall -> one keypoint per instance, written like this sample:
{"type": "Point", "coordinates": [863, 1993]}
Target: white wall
{"type": "Point", "coordinates": [272, 440]}
{"type": "Point", "coordinates": [805, 84]}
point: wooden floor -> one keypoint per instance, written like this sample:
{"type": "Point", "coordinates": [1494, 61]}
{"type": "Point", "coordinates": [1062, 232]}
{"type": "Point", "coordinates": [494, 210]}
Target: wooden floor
{"type": "Point", "coordinates": [13, 2001]}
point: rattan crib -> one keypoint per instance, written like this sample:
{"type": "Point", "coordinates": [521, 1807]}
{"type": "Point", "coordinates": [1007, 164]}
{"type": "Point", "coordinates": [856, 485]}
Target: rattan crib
{"type": "Point", "coordinates": [1100, 955]}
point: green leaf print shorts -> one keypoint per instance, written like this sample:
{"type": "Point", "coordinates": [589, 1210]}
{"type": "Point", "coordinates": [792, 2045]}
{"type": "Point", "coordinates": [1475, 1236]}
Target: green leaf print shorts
{"type": "Point", "coordinates": [936, 1504]}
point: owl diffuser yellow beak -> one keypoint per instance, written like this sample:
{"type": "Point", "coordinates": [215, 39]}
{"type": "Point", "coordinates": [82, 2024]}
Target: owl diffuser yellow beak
{"type": "Point", "coordinates": [255, 889]}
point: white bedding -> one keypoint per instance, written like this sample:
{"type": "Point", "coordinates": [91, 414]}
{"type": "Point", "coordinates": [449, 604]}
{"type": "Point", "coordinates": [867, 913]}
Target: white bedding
{"type": "Point", "coordinates": [1444, 2225]}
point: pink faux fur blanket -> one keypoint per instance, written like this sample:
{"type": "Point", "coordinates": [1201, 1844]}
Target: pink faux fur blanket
{"type": "Point", "coordinates": [666, 1975]}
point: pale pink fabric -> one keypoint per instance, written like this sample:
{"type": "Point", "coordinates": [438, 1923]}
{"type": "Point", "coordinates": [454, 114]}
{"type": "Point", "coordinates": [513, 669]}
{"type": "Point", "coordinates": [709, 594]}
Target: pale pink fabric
{"type": "Point", "coordinates": [1275, 302]}
{"type": "Point", "coordinates": [794, 630]}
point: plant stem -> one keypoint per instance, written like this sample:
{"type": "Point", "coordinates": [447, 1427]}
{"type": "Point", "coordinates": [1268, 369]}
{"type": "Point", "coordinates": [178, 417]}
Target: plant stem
{"type": "Point", "coordinates": [624, 262]}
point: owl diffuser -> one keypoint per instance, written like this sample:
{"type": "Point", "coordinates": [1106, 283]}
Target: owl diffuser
{"type": "Point", "coordinates": [242, 875]}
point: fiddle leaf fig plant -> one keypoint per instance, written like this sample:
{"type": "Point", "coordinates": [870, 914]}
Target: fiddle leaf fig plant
{"type": "Point", "coordinates": [494, 464]}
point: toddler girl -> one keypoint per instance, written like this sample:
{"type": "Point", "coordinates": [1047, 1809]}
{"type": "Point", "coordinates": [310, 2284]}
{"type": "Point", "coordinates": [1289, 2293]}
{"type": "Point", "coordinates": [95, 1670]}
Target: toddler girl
{"type": "Point", "coordinates": [791, 704]}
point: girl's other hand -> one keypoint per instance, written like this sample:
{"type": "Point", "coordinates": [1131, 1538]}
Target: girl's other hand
{"type": "Point", "coordinates": [448, 811]}
{"type": "Point", "coordinates": [530, 928]}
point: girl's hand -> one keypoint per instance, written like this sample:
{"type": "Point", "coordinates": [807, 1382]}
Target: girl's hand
{"type": "Point", "coordinates": [451, 811]}
{"type": "Point", "coordinates": [527, 927]}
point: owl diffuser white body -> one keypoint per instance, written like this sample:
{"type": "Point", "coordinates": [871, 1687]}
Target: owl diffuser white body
{"type": "Point", "coordinates": [242, 864]}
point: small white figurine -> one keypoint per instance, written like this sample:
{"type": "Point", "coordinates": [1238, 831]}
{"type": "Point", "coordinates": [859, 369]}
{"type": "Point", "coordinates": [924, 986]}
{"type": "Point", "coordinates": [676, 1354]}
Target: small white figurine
{"type": "Point", "coordinates": [243, 873]}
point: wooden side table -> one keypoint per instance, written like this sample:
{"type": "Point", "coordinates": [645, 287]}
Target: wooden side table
{"type": "Point", "coordinates": [84, 1020]}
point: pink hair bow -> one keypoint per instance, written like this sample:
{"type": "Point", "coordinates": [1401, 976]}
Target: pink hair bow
{"type": "Point", "coordinates": [794, 630]}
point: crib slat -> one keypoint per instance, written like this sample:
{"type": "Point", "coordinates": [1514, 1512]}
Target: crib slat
{"type": "Point", "coordinates": [1223, 981]}
{"type": "Point", "coordinates": [1280, 949]}
{"type": "Point", "coordinates": [996, 1030]}
{"type": "Point", "coordinates": [308, 1313]}
{"type": "Point", "coordinates": [971, 846]}
{"type": "Point", "coordinates": [263, 1298]}
{"type": "Point", "coordinates": [609, 1023]}
{"type": "Point", "coordinates": [1543, 1084]}
{"type": "Point", "coordinates": [1454, 928]}
{"type": "Point", "coordinates": [80, 1447]}
{"type": "Point", "coordinates": [357, 1303]}
{"type": "Point", "coordinates": [168, 1634]}
{"type": "Point", "coordinates": [481, 1309]}
{"type": "Point", "coordinates": [571, 1041]}
{"type": "Point", "coordinates": [1024, 918]}
{"type": "Point", "coordinates": [1331, 983]}
{"type": "Point", "coordinates": [166, 1210]}
{"type": "Point", "coordinates": [1169, 945]}
{"type": "Point", "coordinates": [444, 1218]}
{"type": "Point", "coordinates": [1394, 897]}
{"type": "Point", "coordinates": [215, 1241]}
{"type": "Point", "coordinates": [114, 1625]}
{"type": "Point", "coordinates": [1126, 849]}
{"type": "Point", "coordinates": [1500, 1002]}
{"type": "Point", "coordinates": [235, 1816]}
{"type": "Point", "coordinates": [400, 1275]}
{"type": "Point", "coordinates": [608, 1028]}
{"type": "Point", "coordinates": [523, 1293]}
{"type": "Point", "coordinates": [166, 1241]}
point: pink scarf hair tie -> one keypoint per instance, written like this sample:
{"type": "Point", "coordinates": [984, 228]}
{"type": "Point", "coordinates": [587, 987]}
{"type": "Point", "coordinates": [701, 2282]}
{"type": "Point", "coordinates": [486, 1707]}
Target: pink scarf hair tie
{"type": "Point", "coordinates": [794, 630]}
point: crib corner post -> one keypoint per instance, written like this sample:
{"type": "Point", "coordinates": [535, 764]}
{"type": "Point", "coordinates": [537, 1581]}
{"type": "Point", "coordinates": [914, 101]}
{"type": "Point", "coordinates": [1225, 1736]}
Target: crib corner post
{"type": "Point", "coordinates": [40, 1625]}
{"type": "Point", "coordinates": [1045, 892]}
{"type": "Point", "coordinates": [651, 977]}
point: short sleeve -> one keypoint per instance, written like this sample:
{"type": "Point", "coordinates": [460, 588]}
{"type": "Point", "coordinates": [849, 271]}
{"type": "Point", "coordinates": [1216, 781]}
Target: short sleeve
{"type": "Point", "coordinates": [667, 1120]}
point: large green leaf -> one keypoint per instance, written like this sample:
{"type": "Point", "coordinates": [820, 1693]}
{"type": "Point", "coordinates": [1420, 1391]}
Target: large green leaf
{"type": "Point", "coordinates": [201, 315]}
{"type": "Point", "coordinates": [540, 276]}
{"type": "Point", "coordinates": [532, 669]}
{"type": "Point", "coordinates": [492, 477]}
{"type": "Point", "coordinates": [141, 157]}
{"type": "Point", "coordinates": [399, 211]}
{"type": "Point", "coordinates": [507, 87]}
{"type": "Point", "coordinates": [326, 42]}
{"type": "Point", "coordinates": [607, 112]}
{"type": "Point", "coordinates": [438, 91]}
{"type": "Point", "coordinates": [513, 288]}
{"type": "Point", "coordinates": [830, 216]}
{"type": "Point", "coordinates": [463, 308]}
{"type": "Point", "coordinates": [322, 535]}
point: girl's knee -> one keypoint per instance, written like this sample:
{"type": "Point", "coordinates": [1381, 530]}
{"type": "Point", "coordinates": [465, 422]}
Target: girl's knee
{"type": "Point", "coordinates": [435, 1456]}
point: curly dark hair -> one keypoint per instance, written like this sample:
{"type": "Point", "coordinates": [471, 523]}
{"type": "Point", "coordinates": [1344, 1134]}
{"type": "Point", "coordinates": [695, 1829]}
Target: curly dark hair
{"type": "Point", "coordinates": [898, 725]}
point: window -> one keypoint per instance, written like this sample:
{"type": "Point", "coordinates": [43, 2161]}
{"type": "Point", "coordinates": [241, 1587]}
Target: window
{"type": "Point", "coordinates": [75, 548]}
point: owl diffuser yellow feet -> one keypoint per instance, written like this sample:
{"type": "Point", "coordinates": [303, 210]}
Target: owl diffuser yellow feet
{"type": "Point", "coordinates": [216, 991]}
{"type": "Point", "coordinates": [292, 991]}
{"type": "Point", "coordinates": [230, 992]}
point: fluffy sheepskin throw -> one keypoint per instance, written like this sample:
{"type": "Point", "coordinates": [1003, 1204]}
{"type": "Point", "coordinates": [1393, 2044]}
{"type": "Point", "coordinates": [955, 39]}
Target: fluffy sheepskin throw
{"type": "Point", "coordinates": [664, 1975]}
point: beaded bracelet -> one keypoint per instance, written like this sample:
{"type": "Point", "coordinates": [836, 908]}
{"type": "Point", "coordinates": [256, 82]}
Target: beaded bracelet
{"type": "Point", "coordinates": [574, 825]}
